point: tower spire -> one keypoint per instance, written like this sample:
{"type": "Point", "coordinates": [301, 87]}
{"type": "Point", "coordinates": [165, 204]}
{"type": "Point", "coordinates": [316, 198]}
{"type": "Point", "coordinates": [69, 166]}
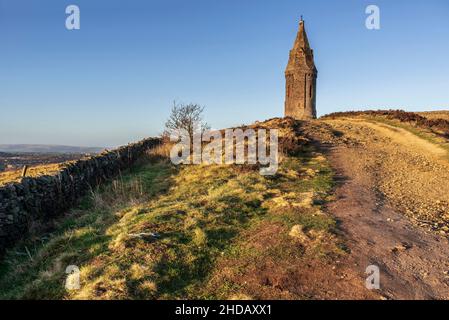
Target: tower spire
{"type": "Point", "coordinates": [302, 42]}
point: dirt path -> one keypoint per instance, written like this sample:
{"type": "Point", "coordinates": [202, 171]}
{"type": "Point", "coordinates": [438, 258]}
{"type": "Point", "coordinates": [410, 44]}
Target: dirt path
{"type": "Point", "coordinates": [393, 204]}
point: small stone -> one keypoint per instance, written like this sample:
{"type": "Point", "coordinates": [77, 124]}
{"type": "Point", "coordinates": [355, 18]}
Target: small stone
{"type": "Point", "coordinates": [402, 247]}
{"type": "Point", "coordinates": [145, 235]}
{"type": "Point", "coordinates": [298, 233]}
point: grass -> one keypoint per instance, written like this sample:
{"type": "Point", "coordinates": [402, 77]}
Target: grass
{"type": "Point", "coordinates": [35, 171]}
{"type": "Point", "coordinates": [160, 232]}
{"type": "Point", "coordinates": [442, 114]}
{"type": "Point", "coordinates": [34, 269]}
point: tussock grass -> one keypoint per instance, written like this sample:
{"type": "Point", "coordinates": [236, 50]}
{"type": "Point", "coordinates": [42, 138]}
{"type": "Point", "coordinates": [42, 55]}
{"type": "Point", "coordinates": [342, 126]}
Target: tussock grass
{"type": "Point", "coordinates": [36, 268]}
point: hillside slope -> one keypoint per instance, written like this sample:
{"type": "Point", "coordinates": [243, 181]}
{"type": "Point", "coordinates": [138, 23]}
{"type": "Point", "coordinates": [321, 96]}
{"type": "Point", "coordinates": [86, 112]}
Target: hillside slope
{"type": "Point", "coordinates": [352, 190]}
{"type": "Point", "coordinates": [165, 232]}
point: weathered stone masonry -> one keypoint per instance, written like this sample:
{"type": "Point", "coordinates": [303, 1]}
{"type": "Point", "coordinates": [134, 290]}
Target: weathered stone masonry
{"type": "Point", "coordinates": [300, 79]}
{"type": "Point", "coordinates": [41, 198]}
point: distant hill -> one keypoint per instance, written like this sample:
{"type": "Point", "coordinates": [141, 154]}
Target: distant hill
{"type": "Point", "coordinates": [43, 148]}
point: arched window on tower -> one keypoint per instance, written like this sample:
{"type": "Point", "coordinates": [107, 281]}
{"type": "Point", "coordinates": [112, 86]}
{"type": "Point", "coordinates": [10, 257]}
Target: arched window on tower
{"type": "Point", "coordinates": [310, 91]}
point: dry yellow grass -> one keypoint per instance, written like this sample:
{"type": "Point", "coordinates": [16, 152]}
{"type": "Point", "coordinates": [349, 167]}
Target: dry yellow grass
{"type": "Point", "coordinates": [435, 114]}
{"type": "Point", "coordinates": [35, 171]}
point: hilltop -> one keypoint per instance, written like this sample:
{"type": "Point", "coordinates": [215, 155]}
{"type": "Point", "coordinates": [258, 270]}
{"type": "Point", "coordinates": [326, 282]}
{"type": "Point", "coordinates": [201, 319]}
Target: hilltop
{"type": "Point", "coordinates": [353, 189]}
{"type": "Point", "coordinates": [219, 231]}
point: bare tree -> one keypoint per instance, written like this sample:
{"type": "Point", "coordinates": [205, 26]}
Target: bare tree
{"type": "Point", "coordinates": [188, 117]}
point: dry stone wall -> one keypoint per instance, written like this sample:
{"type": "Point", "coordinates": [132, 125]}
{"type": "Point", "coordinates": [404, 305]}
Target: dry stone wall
{"type": "Point", "coordinates": [42, 198]}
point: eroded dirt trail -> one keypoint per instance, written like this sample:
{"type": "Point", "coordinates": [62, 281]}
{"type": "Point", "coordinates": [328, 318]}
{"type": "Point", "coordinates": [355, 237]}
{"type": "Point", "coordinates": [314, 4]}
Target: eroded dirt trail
{"type": "Point", "coordinates": [392, 203]}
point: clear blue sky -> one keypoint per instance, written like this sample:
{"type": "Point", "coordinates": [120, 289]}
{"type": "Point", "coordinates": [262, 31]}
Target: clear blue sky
{"type": "Point", "coordinates": [114, 80]}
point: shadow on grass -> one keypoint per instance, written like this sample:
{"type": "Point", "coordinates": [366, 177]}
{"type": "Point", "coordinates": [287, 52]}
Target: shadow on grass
{"type": "Point", "coordinates": [35, 268]}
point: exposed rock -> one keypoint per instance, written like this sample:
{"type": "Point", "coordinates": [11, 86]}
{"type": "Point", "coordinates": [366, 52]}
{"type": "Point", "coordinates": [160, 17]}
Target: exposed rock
{"type": "Point", "coordinates": [402, 247]}
{"type": "Point", "coordinates": [298, 233]}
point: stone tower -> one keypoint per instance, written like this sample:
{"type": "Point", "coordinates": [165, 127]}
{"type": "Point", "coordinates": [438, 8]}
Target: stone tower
{"type": "Point", "coordinates": [300, 79]}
